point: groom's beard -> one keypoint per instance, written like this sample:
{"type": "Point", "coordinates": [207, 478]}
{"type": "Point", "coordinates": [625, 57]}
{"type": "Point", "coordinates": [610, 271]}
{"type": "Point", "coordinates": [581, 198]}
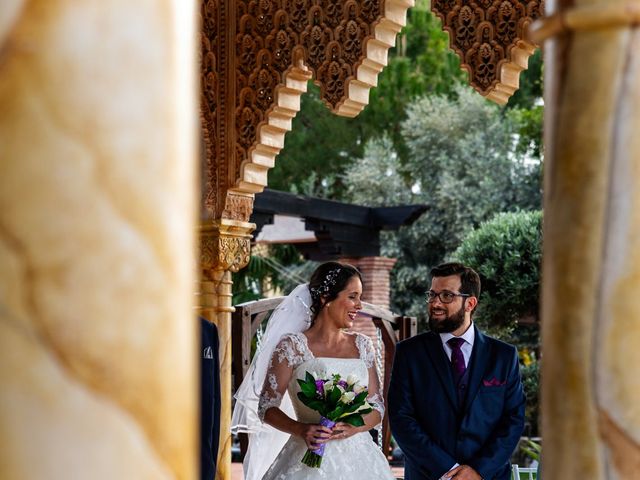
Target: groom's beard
{"type": "Point", "coordinates": [449, 323]}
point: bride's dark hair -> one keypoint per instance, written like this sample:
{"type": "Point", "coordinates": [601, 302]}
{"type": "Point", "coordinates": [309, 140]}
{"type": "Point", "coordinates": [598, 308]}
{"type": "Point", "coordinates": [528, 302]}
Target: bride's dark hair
{"type": "Point", "coordinates": [327, 281]}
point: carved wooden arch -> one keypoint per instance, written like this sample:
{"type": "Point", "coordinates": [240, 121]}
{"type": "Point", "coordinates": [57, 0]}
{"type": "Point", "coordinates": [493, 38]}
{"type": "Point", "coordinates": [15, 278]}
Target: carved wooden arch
{"type": "Point", "coordinates": [490, 37]}
{"type": "Point", "coordinates": [257, 57]}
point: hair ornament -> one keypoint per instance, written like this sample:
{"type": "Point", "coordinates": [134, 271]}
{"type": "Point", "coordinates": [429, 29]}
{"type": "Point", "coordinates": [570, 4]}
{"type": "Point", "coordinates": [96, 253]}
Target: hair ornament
{"type": "Point", "coordinates": [328, 282]}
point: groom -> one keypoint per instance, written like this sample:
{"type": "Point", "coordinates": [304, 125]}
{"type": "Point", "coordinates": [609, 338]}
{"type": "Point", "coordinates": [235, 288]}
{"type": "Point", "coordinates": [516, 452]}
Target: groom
{"type": "Point", "coordinates": [456, 404]}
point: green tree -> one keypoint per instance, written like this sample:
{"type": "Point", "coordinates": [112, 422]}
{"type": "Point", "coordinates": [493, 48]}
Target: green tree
{"type": "Point", "coordinates": [531, 384]}
{"type": "Point", "coordinates": [463, 163]}
{"type": "Point", "coordinates": [420, 64]}
{"type": "Point", "coordinates": [525, 108]}
{"type": "Point", "coordinates": [530, 90]}
{"type": "Point", "coordinates": [506, 251]}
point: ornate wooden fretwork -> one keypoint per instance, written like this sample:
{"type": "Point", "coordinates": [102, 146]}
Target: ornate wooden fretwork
{"type": "Point", "coordinates": [489, 36]}
{"type": "Point", "coordinates": [257, 57]}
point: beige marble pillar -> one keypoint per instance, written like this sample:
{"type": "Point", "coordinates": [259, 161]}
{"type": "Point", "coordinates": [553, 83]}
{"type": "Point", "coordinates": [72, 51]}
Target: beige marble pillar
{"type": "Point", "coordinates": [591, 271]}
{"type": "Point", "coordinates": [97, 207]}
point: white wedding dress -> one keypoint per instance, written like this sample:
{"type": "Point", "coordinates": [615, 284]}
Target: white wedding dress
{"type": "Point", "coordinates": [353, 458]}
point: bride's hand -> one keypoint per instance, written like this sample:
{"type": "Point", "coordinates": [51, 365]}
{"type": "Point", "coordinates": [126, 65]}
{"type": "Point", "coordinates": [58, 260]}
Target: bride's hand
{"type": "Point", "coordinates": [343, 430]}
{"type": "Point", "coordinates": [314, 435]}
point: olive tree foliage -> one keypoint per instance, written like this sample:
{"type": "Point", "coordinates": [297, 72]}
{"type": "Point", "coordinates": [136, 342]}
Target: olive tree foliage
{"type": "Point", "coordinates": [463, 163]}
{"type": "Point", "coordinates": [506, 251]}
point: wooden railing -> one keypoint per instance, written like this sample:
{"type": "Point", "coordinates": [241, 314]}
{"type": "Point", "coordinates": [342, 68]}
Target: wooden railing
{"type": "Point", "coordinates": [248, 317]}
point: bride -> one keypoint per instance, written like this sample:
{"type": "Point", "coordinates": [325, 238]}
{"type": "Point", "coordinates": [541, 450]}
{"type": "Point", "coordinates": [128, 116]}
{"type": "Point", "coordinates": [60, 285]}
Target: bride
{"type": "Point", "coordinates": [306, 333]}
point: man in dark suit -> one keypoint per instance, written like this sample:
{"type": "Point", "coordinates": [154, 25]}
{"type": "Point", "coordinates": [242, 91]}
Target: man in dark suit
{"type": "Point", "coordinates": [456, 403]}
{"type": "Point", "coordinates": [209, 399]}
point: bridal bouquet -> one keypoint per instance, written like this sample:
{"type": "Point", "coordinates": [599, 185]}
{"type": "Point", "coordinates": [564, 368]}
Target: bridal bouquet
{"type": "Point", "coordinates": [335, 400]}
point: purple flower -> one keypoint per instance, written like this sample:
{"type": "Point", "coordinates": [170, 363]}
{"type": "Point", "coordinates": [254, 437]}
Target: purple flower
{"type": "Point", "coordinates": [342, 383]}
{"type": "Point", "coordinates": [320, 387]}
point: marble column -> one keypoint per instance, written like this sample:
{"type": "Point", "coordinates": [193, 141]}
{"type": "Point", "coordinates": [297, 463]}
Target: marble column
{"type": "Point", "coordinates": [591, 267]}
{"type": "Point", "coordinates": [97, 214]}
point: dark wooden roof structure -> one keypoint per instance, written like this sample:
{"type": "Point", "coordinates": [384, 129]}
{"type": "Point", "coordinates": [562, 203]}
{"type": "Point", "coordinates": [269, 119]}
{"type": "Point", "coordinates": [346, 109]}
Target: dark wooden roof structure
{"type": "Point", "coordinates": [341, 229]}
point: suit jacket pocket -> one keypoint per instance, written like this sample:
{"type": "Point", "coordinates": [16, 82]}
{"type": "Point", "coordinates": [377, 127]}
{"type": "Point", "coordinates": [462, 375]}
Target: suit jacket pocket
{"type": "Point", "coordinates": [492, 390]}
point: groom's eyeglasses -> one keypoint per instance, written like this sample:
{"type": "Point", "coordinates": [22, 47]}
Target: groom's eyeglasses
{"type": "Point", "coordinates": [444, 296]}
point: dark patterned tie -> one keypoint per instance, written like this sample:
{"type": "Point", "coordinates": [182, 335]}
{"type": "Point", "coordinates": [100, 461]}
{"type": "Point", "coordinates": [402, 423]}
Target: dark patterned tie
{"type": "Point", "coordinates": [457, 358]}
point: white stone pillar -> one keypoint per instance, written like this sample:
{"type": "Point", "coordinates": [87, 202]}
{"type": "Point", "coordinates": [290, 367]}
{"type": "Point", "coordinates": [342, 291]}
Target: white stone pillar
{"type": "Point", "coordinates": [97, 222]}
{"type": "Point", "coordinates": [591, 268]}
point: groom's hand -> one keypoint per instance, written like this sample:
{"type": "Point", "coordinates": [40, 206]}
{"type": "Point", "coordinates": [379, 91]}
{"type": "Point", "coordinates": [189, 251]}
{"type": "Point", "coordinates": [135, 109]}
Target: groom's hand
{"type": "Point", "coordinates": [463, 472]}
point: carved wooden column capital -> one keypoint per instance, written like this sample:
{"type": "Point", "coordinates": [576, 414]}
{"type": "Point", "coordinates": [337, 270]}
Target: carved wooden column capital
{"type": "Point", "coordinates": [224, 248]}
{"type": "Point", "coordinates": [225, 245]}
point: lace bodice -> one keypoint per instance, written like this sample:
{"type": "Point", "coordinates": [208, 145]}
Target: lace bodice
{"type": "Point", "coordinates": [292, 358]}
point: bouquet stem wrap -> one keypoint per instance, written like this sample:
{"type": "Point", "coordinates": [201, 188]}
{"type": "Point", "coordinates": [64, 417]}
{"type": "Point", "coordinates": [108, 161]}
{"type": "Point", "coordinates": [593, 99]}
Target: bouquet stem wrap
{"type": "Point", "coordinates": [313, 458]}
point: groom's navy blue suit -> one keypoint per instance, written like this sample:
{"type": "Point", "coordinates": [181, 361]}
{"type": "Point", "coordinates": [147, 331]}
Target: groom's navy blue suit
{"type": "Point", "coordinates": [435, 429]}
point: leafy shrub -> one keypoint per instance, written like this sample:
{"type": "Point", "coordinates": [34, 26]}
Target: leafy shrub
{"type": "Point", "coordinates": [506, 252]}
{"type": "Point", "coordinates": [530, 381]}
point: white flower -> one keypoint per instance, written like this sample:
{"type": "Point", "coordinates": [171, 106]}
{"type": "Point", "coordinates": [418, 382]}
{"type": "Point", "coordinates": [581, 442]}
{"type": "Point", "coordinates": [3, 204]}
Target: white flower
{"type": "Point", "coordinates": [328, 386]}
{"type": "Point", "coordinates": [359, 389]}
{"type": "Point", "coordinates": [341, 388]}
{"type": "Point", "coordinates": [351, 379]}
{"type": "Point", "coordinates": [347, 397]}
{"type": "Point", "coordinates": [364, 406]}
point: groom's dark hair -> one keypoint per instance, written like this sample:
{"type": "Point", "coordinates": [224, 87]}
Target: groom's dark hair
{"type": "Point", "coordinates": [469, 278]}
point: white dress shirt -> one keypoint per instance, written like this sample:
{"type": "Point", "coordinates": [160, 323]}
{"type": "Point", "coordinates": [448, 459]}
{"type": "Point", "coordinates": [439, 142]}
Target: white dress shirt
{"type": "Point", "coordinates": [467, 347]}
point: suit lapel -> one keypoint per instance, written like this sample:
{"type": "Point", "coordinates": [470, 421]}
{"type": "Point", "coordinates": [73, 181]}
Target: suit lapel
{"type": "Point", "coordinates": [478, 363]}
{"type": "Point", "coordinates": [441, 365]}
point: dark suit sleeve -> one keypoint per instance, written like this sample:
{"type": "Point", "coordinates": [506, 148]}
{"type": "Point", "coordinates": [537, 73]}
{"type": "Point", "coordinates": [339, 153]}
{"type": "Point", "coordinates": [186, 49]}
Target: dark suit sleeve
{"type": "Point", "coordinates": [423, 453]}
{"type": "Point", "coordinates": [504, 439]}
{"type": "Point", "coordinates": [209, 399]}
{"type": "Point", "coordinates": [215, 432]}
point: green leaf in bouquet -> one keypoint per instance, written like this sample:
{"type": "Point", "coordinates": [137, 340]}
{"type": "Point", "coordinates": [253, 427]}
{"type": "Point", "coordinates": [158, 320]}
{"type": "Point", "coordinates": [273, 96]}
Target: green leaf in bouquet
{"type": "Point", "coordinates": [353, 406]}
{"type": "Point", "coordinates": [308, 378]}
{"type": "Point", "coordinates": [361, 397]}
{"type": "Point", "coordinates": [319, 406]}
{"type": "Point", "coordinates": [334, 396]}
{"type": "Point", "coordinates": [312, 403]}
{"type": "Point", "coordinates": [308, 389]}
{"type": "Point", "coordinates": [335, 413]}
{"type": "Point", "coordinates": [355, 420]}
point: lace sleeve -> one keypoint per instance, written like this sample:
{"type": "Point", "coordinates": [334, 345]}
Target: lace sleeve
{"type": "Point", "coordinates": [286, 356]}
{"type": "Point", "coordinates": [368, 356]}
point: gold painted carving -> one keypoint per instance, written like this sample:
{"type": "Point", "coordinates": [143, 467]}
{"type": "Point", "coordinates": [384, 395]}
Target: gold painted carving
{"type": "Point", "coordinates": [225, 245]}
{"type": "Point", "coordinates": [238, 206]}
{"type": "Point", "coordinates": [490, 38]}
{"type": "Point", "coordinates": [257, 57]}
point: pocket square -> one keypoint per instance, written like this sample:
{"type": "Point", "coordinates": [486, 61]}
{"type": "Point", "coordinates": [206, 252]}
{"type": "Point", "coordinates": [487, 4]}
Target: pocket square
{"type": "Point", "coordinates": [494, 382]}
